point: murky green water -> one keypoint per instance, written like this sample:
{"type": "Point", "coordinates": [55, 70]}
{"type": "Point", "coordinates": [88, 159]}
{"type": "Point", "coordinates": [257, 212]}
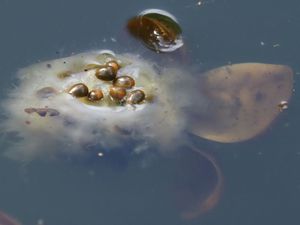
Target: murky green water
{"type": "Point", "coordinates": [262, 183]}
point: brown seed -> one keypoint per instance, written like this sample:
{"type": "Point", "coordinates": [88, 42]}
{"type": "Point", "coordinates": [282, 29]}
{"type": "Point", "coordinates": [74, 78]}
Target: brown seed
{"type": "Point", "coordinates": [124, 81]}
{"type": "Point", "coordinates": [157, 29]}
{"type": "Point", "coordinates": [114, 65]}
{"type": "Point", "coordinates": [105, 73]}
{"type": "Point", "coordinates": [136, 97]}
{"type": "Point", "coordinates": [79, 90]}
{"type": "Point", "coordinates": [117, 93]}
{"type": "Point", "coordinates": [95, 95]}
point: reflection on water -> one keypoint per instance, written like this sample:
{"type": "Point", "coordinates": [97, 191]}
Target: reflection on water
{"type": "Point", "coordinates": [117, 189]}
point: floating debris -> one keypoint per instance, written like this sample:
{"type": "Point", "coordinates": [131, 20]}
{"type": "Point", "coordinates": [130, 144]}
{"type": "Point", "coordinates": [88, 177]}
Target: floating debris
{"type": "Point", "coordinates": [227, 104]}
{"type": "Point", "coordinates": [240, 110]}
{"type": "Point", "coordinates": [42, 111]}
{"type": "Point", "coordinates": [157, 29]}
{"type": "Point", "coordinates": [40, 222]}
{"type": "Point", "coordinates": [199, 3]}
{"type": "Point", "coordinates": [283, 105]}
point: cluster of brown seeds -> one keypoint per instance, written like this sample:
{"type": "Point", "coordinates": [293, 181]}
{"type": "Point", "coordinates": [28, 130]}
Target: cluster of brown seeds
{"type": "Point", "coordinates": [118, 92]}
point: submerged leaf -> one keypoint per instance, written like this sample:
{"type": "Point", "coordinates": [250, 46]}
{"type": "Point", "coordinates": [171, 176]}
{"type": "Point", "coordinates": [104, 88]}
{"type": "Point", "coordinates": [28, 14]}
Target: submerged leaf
{"type": "Point", "coordinates": [243, 100]}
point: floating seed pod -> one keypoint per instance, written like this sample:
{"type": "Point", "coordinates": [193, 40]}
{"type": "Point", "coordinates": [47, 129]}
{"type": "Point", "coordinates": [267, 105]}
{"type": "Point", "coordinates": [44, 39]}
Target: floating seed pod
{"type": "Point", "coordinates": [105, 73]}
{"type": "Point", "coordinates": [95, 95]}
{"type": "Point", "coordinates": [117, 93]}
{"type": "Point", "coordinates": [114, 65]}
{"type": "Point", "coordinates": [79, 90]}
{"type": "Point", "coordinates": [135, 97]}
{"type": "Point", "coordinates": [124, 81]}
{"type": "Point", "coordinates": [157, 29]}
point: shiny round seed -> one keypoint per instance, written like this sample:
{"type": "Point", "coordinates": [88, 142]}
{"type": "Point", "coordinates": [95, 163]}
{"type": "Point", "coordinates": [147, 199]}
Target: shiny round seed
{"type": "Point", "coordinates": [79, 90]}
{"type": "Point", "coordinates": [157, 29]}
{"type": "Point", "coordinates": [117, 93]}
{"type": "Point", "coordinates": [95, 95]}
{"type": "Point", "coordinates": [136, 97]}
{"type": "Point", "coordinates": [105, 73]}
{"type": "Point", "coordinates": [114, 65]}
{"type": "Point", "coordinates": [124, 81]}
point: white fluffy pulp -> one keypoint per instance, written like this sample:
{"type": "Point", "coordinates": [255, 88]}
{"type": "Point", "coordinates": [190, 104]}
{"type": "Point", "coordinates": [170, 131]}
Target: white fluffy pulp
{"type": "Point", "coordinates": [157, 123]}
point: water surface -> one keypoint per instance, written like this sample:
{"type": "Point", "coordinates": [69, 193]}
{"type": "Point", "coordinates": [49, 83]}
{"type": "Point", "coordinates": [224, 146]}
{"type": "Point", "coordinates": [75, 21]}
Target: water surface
{"type": "Point", "coordinates": [262, 183]}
